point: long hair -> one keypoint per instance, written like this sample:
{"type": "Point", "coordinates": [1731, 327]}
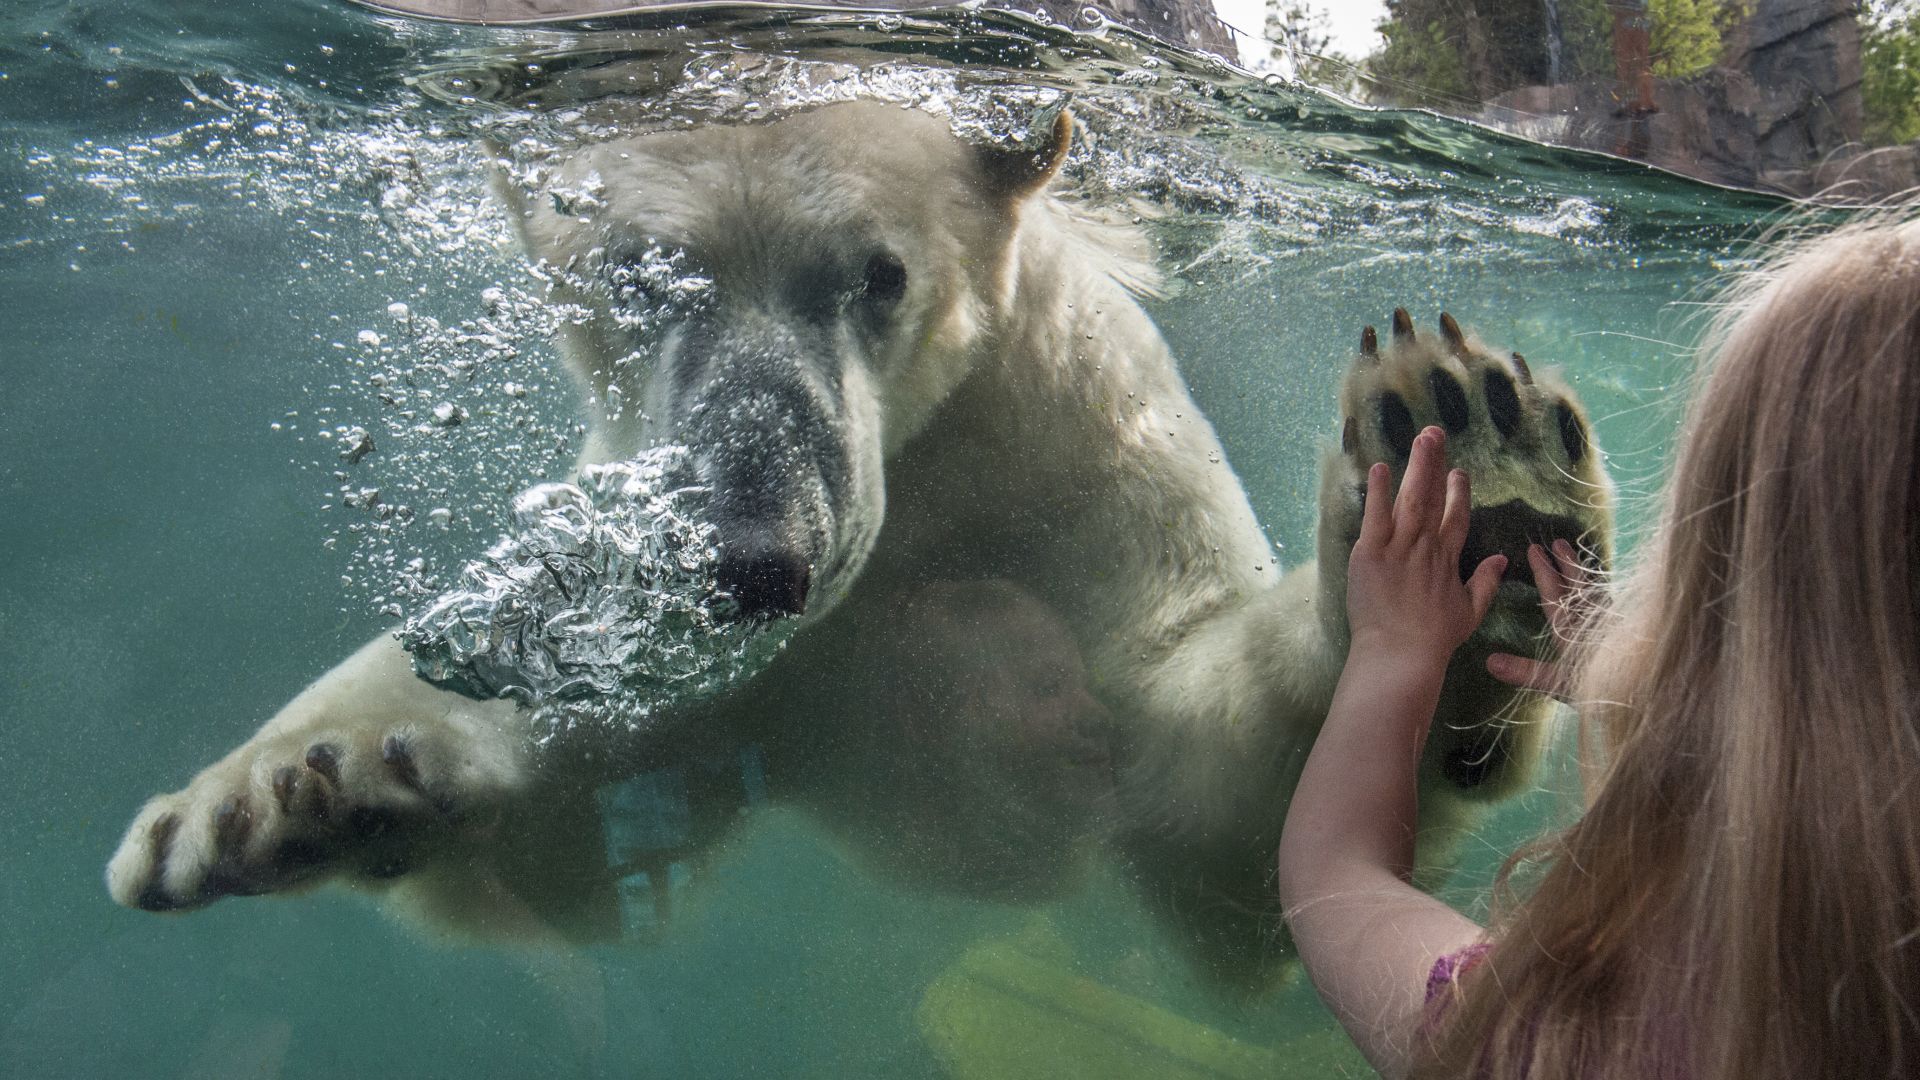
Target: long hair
{"type": "Point", "coordinates": [1742, 897]}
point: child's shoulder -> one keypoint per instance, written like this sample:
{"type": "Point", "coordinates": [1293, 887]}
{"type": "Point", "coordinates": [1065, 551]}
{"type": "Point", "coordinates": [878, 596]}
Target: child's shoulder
{"type": "Point", "coordinates": [1443, 981]}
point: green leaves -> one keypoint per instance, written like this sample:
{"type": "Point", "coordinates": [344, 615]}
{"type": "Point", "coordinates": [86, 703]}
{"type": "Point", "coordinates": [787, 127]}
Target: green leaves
{"type": "Point", "coordinates": [1890, 75]}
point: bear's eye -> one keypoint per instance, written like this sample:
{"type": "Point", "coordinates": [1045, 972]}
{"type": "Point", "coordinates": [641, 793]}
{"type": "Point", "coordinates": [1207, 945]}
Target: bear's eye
{"type": "Point", "coordinates": [886, 279]}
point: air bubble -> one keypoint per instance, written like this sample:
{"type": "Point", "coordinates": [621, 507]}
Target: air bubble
{"type": "Point", "coordinates": [355, 443]}
{"type": "Point", "coordinates": [601, 601]}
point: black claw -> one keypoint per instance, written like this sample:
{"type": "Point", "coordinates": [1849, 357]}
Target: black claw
{"type": "Point", "coordinates": [1450, 330]}
{"type": "Point", "coordinates": [1521, 369]}
{"type": "Point", "coordinates": [160, 835]}
{"type": "Point", "coordinates": [1573, 433]}
{"type": "Point", "coordinates": [322, 758]}
{"type": "Point", "coordinates": [159, 842]}
{"type": "Point", "coordinates": [1349, 436]}
{"type": "Point", "coordinates": [286, 780]}
{"type": "Point", "coordinates": [1503, 401]}
{"type": "Point", "coordinates": [1402, 324]}
{"type": "Point", "coordinates": [1450, 399]}
{"type": "Point", "coordinates": [1369, 342]}
{"type": "Point", "coordinates": [399, 758]}
{"type": "Point", "coordinates": [231, 823]}
{"type": "Point", "coordinates": [1396, 423]}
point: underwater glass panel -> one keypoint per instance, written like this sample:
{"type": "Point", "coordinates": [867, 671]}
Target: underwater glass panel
{"type": "Point", "coordinates": [278, 366]}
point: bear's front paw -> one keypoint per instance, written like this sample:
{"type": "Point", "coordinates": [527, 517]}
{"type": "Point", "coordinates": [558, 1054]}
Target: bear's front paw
{"type": "Point", "coordinates": [1538, 477]}
{"type": "Point", "coordinates": [294, 807]}
{"type": "Point", "coordinates": [1520, 435]}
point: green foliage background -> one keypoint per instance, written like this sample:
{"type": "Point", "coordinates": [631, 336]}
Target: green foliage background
{"type": "Point", "coordinates": [1687, 34]}
{"type": "Point", "coordinates": [1427, 58]}
{"type": "Point", "coordinates": [1419, 66]}
{"type": "Point", "coordinates": [1890, 75]}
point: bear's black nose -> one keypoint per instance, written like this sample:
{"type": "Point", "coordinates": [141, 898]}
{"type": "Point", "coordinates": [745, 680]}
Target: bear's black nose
{"type": "Point", "coordinates": [765, 583]}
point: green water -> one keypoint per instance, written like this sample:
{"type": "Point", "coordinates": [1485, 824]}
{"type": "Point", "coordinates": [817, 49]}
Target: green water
{"type": "Point", "coordinates": [197, 221]}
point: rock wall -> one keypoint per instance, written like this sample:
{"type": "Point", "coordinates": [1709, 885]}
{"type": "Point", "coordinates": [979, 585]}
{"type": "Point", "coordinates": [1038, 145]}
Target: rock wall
{"type": "Point", "coordinates": [1803, 58]}
{"type": "Point", "coordinates": [1782, 111]}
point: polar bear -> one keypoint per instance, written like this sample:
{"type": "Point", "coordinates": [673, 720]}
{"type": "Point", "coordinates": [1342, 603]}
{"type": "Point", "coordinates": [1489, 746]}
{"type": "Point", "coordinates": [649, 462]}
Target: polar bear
{"type": "Point", "coordinates": [933, 413]}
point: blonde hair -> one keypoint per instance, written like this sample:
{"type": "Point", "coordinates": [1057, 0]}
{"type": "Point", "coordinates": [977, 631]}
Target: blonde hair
{"type": "Point", "coordinates": [1742, 897]}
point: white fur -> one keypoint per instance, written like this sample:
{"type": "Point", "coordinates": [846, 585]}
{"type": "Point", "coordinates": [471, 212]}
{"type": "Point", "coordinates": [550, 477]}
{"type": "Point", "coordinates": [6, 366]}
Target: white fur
{"type": "Point", "coordinates": [1020, 420]}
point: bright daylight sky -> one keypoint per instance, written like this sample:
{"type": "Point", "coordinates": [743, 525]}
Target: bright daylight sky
{"type": "Point", "coordinates": [1352, 24]}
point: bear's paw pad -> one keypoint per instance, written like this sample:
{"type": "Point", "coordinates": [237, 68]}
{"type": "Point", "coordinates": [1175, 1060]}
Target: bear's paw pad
{"type": "Point", "coordinates": [287, 811]}
{"type": "Point", "coordinates": [1525, 442]}
{"type": "Point", "coordinates": [1522, 436]}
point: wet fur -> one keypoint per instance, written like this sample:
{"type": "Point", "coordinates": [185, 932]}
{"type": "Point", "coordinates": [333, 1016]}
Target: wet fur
{"type": "Point", "coordinates": [1021, 422]}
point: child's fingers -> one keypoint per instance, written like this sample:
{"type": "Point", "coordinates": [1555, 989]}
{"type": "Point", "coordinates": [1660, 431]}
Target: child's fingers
{"type": "Point", "coordinates": [1527, 673]}
{"type": "Point", "coordinates": [1422, 490]}
{"type": "Point", "coordinates": [1435, 488]}
{"type": "Point", "coordinates": [1573, 596]}
{"type": "Point", "coordinates": [1455, 517]}
{"type": "Point", "coordinates": [1376, 517]}
{"type": "Point", "coordinates": [1546, 576]}
{"type": "Point", "coordinates": [1557, 594]}
{"type": "Point", "coordinates": [1573, 568]}
{"type": "Point", "coordinates": [1484, 583]}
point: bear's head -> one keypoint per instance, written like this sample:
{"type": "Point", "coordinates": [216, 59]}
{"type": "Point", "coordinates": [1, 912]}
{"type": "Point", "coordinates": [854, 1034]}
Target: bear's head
{"type": "Point", "coordinates": [791, 300]}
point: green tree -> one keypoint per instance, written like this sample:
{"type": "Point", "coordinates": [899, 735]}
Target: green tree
{"type": "Point", "coordinates": [1687, 34]}
{"type": "Point", "coordinates": [1302, 36]}
{"type": "Point", "coordinates": [1586, 47]}
{"type": "Point", "coordinates": [1419, 66]}
{"type": "Point", "coordinates": [1890, 70]}
{"type": "Point", "coordinates": [1457, 53]}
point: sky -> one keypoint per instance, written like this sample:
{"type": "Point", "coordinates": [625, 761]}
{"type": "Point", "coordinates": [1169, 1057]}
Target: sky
{"type": "Point", "coordinates": [1351, 24]}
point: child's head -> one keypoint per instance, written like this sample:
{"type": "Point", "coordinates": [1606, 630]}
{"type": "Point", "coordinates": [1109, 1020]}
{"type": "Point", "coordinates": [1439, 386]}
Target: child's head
{"type": "Point", "coordinates": [1747, 881]}
{"type": "Point", "coordinates": [1789, 523]}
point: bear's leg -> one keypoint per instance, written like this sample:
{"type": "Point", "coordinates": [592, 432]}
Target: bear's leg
{"type": "Point", "coordinates": [369, 773]}
{"type": "Point", "coordinates": [1208, 789]}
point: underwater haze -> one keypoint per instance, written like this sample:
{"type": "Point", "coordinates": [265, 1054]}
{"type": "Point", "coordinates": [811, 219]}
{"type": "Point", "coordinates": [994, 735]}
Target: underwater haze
{"type": "Point", "coordinates": [240, 239]}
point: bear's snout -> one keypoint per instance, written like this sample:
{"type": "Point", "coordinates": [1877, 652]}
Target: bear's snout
{"type": "Point", "coordinates": [764, 582]}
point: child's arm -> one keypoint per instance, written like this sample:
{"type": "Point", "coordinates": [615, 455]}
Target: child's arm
{"type": "Point", "coordinates": [1368, 937]}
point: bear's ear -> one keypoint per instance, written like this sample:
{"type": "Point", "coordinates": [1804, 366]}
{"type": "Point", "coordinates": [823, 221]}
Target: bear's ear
{"type": "Point", "coordinates": [1017, 172]}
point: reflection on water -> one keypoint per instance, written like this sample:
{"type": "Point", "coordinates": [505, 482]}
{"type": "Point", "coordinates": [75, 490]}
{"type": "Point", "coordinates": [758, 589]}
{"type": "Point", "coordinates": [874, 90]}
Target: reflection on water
{"type": "Point", "coordinates": [272, 333]}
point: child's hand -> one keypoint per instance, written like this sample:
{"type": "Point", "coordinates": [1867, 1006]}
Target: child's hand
{"type": "Point", "coordinates": [1404, 593]}
{"type": "Point", "coordinates": [1566, 596]}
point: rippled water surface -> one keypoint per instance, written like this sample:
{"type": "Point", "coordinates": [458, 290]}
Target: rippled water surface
{"type": "Point", "coordinates": [240, 243]}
